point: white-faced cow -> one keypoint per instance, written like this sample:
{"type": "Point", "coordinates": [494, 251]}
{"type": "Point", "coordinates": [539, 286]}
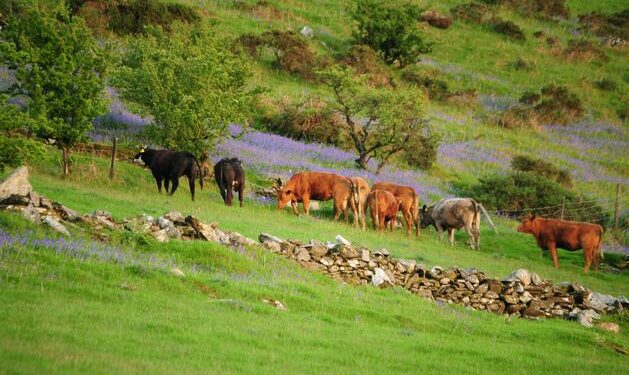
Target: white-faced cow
{"type": "Point", "coordinates": [169, 166]}
{"type": "Point", "coordinates": [454, 213]}
{"type": "Point", "coordinates": [230, 177]}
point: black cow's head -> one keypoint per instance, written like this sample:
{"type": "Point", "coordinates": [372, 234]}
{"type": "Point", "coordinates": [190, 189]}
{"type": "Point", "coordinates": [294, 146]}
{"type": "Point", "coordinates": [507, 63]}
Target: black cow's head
{"type": "Point", "coordinates": [425, 217]}
{"type": "Point", "coordinates": [141, 157]}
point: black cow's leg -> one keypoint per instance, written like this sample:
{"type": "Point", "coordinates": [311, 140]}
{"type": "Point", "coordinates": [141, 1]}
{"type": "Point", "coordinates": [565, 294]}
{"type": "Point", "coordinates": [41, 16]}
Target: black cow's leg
{"type": "Point", "coordinates": [175, 186]}
{"type": "Point", "coordinates": [166, 184]}
{"type": "Point", "coordinates": [158, 180]}
{"type": "Point", "coordinates": [230, 192]}
{"type": "Point", "coordinates": [241, 189]}
{"type": "Point", "coordinates": [191, 182]}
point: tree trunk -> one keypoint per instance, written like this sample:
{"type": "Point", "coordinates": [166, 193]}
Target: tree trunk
{"type": "Point", "coordinates": [66, 161]}
{"type": "Point", "coordinates": [362, 161]}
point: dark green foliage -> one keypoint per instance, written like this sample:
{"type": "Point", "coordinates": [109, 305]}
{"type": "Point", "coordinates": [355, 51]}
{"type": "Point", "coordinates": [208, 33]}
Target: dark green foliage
{"type": "Point", "coordinates": [436, 88]}
{"type": "Point", "coordinates": [391, 28]}
{"type": "Point", "coordinates": [545, 8]}
{"type": "Point", "coordinates": [519, 191]}
{"type": "Point", "coordinates": [364, 60]}
{"type": "Point", "coordinates": [506, 28]}
{"type": "Point", "coordinates": [472, 12]}
{"type": "Point", "coordinates": [423, 153]}
{"type": "Point", "coordinates": [59, 69]}
{"type": "Point", "coordinates": [530, 98]}
{"type": "Point", "coordinates": [558, 105]}
{"type": "Point", "coordinates": [131, 17]}
{"type": "Point", "coordinates": [310, 120]}
{"type": "Point", "coordinates": [614, 25]}
{"type": "Point", "coordinates": [606, 84]}
{"type": "Point", "coordinates": [522, 64]}
{"type": "Point", "coordinates": [523, 163]}
{"type": "Point", "coordinates": [291, 50]}
{"type": "Point", "coordinates": [15, 145]}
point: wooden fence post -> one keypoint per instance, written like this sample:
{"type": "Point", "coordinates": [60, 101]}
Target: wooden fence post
{"type": "Point", "coordinates": [112, 171]}
{"type": "Point", "coordinates": [617, 205]}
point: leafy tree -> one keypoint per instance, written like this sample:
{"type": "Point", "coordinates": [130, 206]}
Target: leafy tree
{"type": "Point", "coordinates": [390, 27]}
{"type": "Point", "coordinates": [381, 122]}
{"type": "Point", "coordinates": [15, 147]}
{"type": "Point", "coordinates": [59, 69]}
{"type": "Point", "coordinates": [189, 82]}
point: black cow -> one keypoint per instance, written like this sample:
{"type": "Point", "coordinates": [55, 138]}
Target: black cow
{"type": "Point", "coordinates": [229, 178]}
{"type": "Point", "coordinates": [170, 166]}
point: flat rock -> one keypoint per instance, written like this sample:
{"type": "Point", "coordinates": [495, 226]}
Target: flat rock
{"type": "Point", "coordinates": [380, 277]}
{"type": "Point", "coordinates": [177, 272]}
{"type": "Point", "coordinates": [521, 275]}
{"type": "Point", "coordinates": [302, 254]}
{"type": "Point", "coordinates": [54, 224]}
{"type": "Point", "coordinates": [16, 184]}
{"type": "Point", "coordinates": [342, 241]}
{"type": "Point", "coordinates": [265, 237]}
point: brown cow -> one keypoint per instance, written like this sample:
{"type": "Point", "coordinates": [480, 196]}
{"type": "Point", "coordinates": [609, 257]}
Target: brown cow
{"type": "Point", "coordinates": [302, 187]}
{"type": "Point", "coordinates": [383, 207]}
{"type": "Point", "coordinates": [363, 191]}
{"type": "Point", "coordinates": [569, 235]}
{"type": "Point", "coordinates": [409, 203]}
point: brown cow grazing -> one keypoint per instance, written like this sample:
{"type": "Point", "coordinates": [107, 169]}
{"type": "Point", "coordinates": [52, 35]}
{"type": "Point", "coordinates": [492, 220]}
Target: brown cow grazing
{"type": "Point", "coordinates": [306, 186]}
{"type": "Point", "coordinates": [383, 207]}
{"type": "Point", "coordinates": [409, 203]}
{"type": "Point", "coordinates": [363, 191]}
{"type": "Point", "coordinates": [569, 235]}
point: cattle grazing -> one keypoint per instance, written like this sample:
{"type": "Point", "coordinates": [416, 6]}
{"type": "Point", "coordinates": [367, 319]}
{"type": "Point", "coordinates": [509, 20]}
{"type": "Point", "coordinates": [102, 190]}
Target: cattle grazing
{"type": "Point", "coordinates": [409, 205]}
{"type": "Point", "coordinates": [361, 200]}
{"type": "Point", "coordinates": [230, 177]}
{"type": "Point", "coordinates": [383, 207]}
{"type": "Point", "coordinates": [306, 186]}
{"type": "Point", "coordinates": [454, 213]}
{"type": "Point", "coordinates": [569, 235]}
{"type": "Point", "coordinates": [169, 166]}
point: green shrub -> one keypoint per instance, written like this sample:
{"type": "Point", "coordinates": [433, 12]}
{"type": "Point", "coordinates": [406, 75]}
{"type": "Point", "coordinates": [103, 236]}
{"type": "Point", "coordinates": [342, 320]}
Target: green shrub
{"type": "Point", "coordinates": [506, 28]}
{"type": "Point", "coordinates": [558, 105]}
{"type": "Point", "coordinates": [429, 79]}
{"type": "Point", "coordinates": [423, 154]}
{"type": "Point", "coordinates": [523, 163]}
{"type": "Point", "coordinates": [519, 192]}
{"type": "Point", "coordinates": [391, 28]}
{"type": "Point", "coordinates": [472, 12]}
{"type": "Point", "coordinates": [530, 98]}
{"type": "Point", "coordinates": [364, 60]}
{"type": "Point", "coordinates": [606, 84]}
{"type": "Point", "coordinates": [310, 120]}
{"type": "Point", "coordinates": [291, 50]}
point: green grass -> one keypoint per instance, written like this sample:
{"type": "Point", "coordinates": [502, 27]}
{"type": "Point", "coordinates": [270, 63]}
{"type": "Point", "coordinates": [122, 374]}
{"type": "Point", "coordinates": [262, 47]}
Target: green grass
{"type": "Point", "coordinates": [64, 315]}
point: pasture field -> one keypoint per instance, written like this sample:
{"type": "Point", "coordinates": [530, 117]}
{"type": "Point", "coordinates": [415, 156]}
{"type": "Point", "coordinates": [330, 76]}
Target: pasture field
{"type": "Point", "coordinates": [67, 313]}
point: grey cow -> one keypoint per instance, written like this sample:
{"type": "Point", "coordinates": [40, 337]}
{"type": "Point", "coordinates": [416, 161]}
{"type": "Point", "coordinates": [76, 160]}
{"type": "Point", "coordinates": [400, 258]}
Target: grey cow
{"type": "Point", "coordinates": [454, 213]}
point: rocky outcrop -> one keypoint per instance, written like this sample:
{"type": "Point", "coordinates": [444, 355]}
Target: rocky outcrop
{"type": "Point", "coordinates": [522, 293]}
{"type": "Point", "coordinates": [15, 187]}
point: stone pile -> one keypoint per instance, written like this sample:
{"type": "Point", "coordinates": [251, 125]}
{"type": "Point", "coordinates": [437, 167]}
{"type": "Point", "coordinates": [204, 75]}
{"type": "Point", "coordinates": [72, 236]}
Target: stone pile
{"type": "Point", "coordinates": [522, 293]}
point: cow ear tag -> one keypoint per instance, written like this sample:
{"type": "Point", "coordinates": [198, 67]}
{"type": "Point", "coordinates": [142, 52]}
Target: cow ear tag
{"type": "Point", "coordinates": [142, 150]}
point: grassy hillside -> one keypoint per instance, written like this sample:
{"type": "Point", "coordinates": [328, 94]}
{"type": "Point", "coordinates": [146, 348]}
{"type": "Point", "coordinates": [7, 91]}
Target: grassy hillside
{"type": "Point", "coordinates": [67, 313]}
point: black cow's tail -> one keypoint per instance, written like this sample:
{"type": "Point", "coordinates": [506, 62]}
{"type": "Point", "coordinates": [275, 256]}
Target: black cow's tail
{"type": "Point", "coordinates": [199, 170]}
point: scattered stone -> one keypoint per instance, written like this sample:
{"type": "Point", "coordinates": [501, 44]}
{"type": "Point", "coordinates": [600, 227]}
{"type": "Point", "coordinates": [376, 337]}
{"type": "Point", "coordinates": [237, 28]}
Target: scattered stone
{"type": "Point", "coordinates": [177, 272]}
{"type": "Point", "coordinates": [586, 317]}
{"type": "Point", "coordinates": [521, 275]}
{"type": "Point", "coordinates": [160, 235]}
{"type": "Point", "coordinates": [302, 255]}
{"type": "Point", "coordinates": [382, 252]}
{"type": "Point", "coordinates": [364, 255]}
{"type": "Point", "coordinates": [34, 198]}
{"type": "Point", "coordinates": [380, 277]}
{"type": "Point", "coordinates": [609, 326]}
{"type": "Point", "coordinates": [16, 184]}
{"type": "Point", "coordinates": [31, 214]}
{"type": "Point", "coordinates": [175, 217]}
{"type": "Point", "coordinates": [342, 241]}
{"type": "Point", "coordinates": [275, 303]}
{"type": "Point", "coordinates": [56, 225]}
{"type": "Point", "coordinates": [307, 32]}
{"type": "Point", "coordinates": [264, 237]}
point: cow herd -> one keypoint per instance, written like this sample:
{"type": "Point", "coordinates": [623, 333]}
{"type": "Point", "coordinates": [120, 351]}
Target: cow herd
{"type": "Point", "coordinates": [383, 200]}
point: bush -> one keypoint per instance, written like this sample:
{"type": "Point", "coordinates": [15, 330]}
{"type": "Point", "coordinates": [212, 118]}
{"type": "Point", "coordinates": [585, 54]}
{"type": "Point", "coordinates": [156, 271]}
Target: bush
{"type": "Point", "coordinates": [132, 16]}
{"type": "Point", "coordinates": [530, 98]}
{"type": "Point", "coordinates": [614, 25]}
{"type": "Point", "coordinates": [436, 88]}
{"type": "Point", "coordinates": [423, 154]}
{"type": "Point", "coordinates": [390, 28]}
{"type": "Point", "coordinates": [506, 28]}
{"type": "Point", "coordinates": [310, 120]}
{"type": "Point", "coordinates": [472, 12]}
{"type": "Point", "coordinates": [524, 163]}
{"type": "Point", "coordinates": [547, 8]}
{"type": "Point", "coordinates": [291, 50]}
{"type": "Point", "coordinates": [516, 193]}
{"type": "Point", "coordinates": [583, 50]}
{"type": "Point", "coordinates": [516, 117]}
{"type": "Point", "coordinates": [364, 60]}
{"type": "Point", "coordinates": [558, 106]}
{"type": "Point", "coordinates": [606, 84]}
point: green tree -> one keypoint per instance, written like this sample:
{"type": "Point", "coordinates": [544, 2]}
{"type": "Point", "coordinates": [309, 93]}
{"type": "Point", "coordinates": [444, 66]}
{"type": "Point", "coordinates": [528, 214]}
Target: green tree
{"type": "Point", "coordinates": [381, 122]}
{"type": "Point", "coordinates": [15, 145]}
{"type": "Point", "coordinates": [189, 82]}
{"type": "Point", "coordinates": [391, 28]}
{"type": "Point", "coordinates": [59, 69]}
